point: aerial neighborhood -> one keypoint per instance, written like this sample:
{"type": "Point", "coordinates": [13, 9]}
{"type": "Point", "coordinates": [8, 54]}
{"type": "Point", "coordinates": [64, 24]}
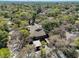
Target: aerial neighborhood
{"type": "Point", "coordinates": [39, 29]}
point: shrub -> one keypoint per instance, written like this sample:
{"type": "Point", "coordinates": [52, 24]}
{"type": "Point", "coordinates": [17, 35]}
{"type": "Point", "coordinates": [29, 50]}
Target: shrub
{"type": "Point", "coordinates": [4, 53]}
{"type": "Point", "coordinates": [25, 33]}
{"type": "Point", "coordinates": [3, 38]}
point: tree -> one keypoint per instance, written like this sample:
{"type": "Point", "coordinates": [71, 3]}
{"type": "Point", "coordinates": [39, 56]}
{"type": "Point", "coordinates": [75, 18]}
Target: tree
{"type": "Point", "coordinates": [48, 26]}
{"type": "Point", "coordinates": [53, 12]}
{"type": "Point", "coordinates": [43, 49]}
{"type": "Point", "coordinates": [77, 42]}
{"type": "Point", "coordinates": [39, 10]}
{"type": "Point", "coordinates": [70, 18]}
{"type": "Point", "coordinates": [30, 51]}
{"type": "Point", "coordinates": [40, 18]}
{"type": "Point", "coordinates": [4, 53]}
{"type": "Point", "coordinates": [14, 26]}
{"type": "Point", "coordinates": [77, 25]}
{"type": "Point", "coordinates": [25, 33]}
{"type": "Point", "coordinates": [23, 23]}
{"type": "Point", "coordinates": [7, 14]}
{"type": "Point", "coordinates": [3, 24]}
{"type": "Point", "coordinates": [70, 53]}
{"type": "Point", "coordinates": [3, 38]}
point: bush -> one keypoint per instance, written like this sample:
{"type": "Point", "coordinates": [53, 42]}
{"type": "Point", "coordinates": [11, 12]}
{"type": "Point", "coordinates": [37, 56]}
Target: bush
{"type": "Point", "coordinates": [48, 26]}
{"type": "Point", "coordinates": [77, 42]}
{"type": "Point", "coordinates": [3, 24]}
{"type": "Point", "coordinates": [25, 33]}
{"type": "Point", "coordinates": [70, 53]}
{"type": "Point", "coordinates": [3, 38]}
{"type": "Point", "coordinates": [4, 53]}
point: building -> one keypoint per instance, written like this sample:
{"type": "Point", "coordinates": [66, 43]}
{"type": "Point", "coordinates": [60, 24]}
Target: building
{"type": "Point", "coordinates": [37, 35]}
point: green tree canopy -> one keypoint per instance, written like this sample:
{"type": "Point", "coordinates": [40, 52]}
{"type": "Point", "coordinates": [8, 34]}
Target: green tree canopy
{"type": "Point", "coordinates": [3, 24]}
{"type": "Point", "coordinates": [3, 38]}
{"type": "Point", "coordinates": [4, 53]}
{"type": "Point", "coordinates": [25, 32]}
{"type": "Point", "coordinates": [77, 42]}
{"type": "Point", "coordinates": [48, 26]}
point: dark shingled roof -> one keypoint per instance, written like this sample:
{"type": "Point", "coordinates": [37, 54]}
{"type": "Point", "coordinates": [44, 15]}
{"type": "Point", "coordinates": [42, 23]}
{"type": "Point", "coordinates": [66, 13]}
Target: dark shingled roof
{"type": "Point", "coordinates": [36, 31]}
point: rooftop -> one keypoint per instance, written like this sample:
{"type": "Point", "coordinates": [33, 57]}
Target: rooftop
{"type": "Point", "coordinates": [37, 43]}
{"type": "Point", "coordinates": [36, 30]}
